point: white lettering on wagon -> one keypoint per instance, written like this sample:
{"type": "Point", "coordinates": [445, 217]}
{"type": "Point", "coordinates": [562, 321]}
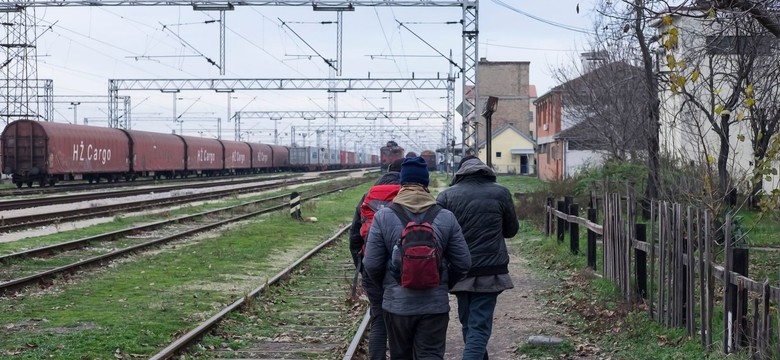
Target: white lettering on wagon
{"type": "Point", "coordinates": [238, 157]}
{"type": "Point", "coordinates": [206, 156]}
{"type": "Point", "coordinates": [262, 157]}
{"type": "Point", "coordinates": [89, 152]}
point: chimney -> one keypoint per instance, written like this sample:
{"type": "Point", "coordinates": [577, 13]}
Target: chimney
{"type": "Point", "coordinates": [592, 60]}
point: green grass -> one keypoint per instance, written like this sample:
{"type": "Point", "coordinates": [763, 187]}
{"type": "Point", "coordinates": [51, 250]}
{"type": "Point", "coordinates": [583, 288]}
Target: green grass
{"type": "Point", "coordinates": [595, 309]}
{"type": "Point", "coordinates": [516, 183]}
{"type": "Point", "coordinates": [121, 222]}
{"type": "Point", "coordinates": [137, 306]}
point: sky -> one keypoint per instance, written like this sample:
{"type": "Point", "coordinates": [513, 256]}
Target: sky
{"type": "Point", "coordinates": [80, 48]}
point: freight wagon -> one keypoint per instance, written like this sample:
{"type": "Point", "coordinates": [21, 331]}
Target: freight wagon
{"type": "Point", "coordinates": [46, 152]}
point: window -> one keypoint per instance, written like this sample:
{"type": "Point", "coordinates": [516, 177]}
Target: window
{"type": "Point", "coordinates": [498, 154]}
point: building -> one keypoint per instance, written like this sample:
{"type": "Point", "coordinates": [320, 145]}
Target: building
{"type": "Point", "coordinates": [512, 151]}
{"type": "Point", "coordinates": [593, 117]}
{"type": "Point", "coordinates": [508, 81]}
{"type": "Point", "coordinates": [691, 115]}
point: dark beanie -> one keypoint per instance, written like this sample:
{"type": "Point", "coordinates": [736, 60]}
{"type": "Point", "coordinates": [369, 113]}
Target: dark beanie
{"type": "Point", "coordinates": [411, 154]}
{"type": "Point", "coordinates": [467, 158]}
{"type": "Point", "coordinates": [414, 170]}
{"type": "Point", "coordinates": [395, 165]}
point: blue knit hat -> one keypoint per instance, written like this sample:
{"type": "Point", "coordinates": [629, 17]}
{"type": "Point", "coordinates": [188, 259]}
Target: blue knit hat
{"type": "Point", "coordinates": [414, 170]}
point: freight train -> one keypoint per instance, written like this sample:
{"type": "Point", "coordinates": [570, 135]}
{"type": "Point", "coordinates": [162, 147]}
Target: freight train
{"type": "Point", "coordinates": [389, 153]}
{"type": "Point", "coordinates": [37, 152]}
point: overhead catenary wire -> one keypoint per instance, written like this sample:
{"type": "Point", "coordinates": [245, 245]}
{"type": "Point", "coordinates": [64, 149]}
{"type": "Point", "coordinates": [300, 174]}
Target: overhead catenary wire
{"type": "Point", "coordinates": [184, 42]}
{"type": "Point", "coordinates": [548, 22]}
{"type": "Point", "coordinates": [327, 61]}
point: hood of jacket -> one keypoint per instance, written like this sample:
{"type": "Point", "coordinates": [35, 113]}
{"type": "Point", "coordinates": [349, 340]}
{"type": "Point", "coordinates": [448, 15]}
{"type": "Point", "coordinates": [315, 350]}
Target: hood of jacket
{"type": "Point", "coordinates": [473, 167]}
{"type": "Point", "coordinates": [416, 198]}
{"type": "Point", "coordinates": [393, 177]}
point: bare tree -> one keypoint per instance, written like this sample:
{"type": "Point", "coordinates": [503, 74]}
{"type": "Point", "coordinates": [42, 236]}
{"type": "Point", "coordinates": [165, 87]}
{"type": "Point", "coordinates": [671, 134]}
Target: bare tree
{"type": "Point", "coordinates": [712, 69]}
{"type": "Point", "coordinates": [602, 104]}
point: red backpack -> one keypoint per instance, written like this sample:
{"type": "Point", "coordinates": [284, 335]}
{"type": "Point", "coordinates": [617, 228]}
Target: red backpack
{"type": "Point", "coordinates": [377, 197]}
{"type": "Point", "coordinates": [418, 253]}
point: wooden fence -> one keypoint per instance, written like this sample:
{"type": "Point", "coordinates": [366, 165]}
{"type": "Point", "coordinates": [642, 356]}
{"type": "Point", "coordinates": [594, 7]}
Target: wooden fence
{"type": "Point", "coordinates": [673, 270]}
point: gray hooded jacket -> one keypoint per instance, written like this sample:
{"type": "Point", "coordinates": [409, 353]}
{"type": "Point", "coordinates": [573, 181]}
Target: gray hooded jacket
{"type": "Point", "coordinates": [386, 230]}
{"type": "Point", "coordinates": [486, 213]}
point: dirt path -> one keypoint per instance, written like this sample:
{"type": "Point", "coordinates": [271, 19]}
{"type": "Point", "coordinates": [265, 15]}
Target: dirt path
{"type": "Point", "coordinates": [519, 314]}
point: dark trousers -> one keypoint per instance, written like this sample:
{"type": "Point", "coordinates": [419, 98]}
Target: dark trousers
{"type": "Point", "coordinates": [417, 337]}
{"type": "Point", "coordinates": [475, 312]}
{"type": "Point", "coordinates": [377, 336]}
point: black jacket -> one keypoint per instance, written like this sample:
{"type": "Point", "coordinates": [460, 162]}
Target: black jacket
{"type": "Point", "coordinates": [486, 214]}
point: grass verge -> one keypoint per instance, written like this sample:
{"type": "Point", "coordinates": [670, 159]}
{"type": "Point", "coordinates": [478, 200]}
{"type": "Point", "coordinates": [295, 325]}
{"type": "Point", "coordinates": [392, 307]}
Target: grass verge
{"type": "Point", "coordinates": [138, 305]}
{"type": "Point", "coordinates": [598, 318]}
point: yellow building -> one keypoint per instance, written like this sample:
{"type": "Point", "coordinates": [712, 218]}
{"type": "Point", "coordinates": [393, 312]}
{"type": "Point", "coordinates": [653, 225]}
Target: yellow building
{"type": "Point", "coordinates": [512, 151]}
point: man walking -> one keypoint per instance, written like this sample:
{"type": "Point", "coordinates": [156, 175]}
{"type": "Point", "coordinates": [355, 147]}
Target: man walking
{"type": "Point", "coordinates": [380, 195]}
{"type": "Point", "coordinates": [486, 214]}
{"type": "Point", "coordinates": [412, 248]}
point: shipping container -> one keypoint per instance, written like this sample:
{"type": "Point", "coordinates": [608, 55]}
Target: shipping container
{"type": "Point", "coordinates": [204, 156]}
{"type": "Point", "coordinates": [238, 157]}
{"type": "Point", "coordinates": [262, 157]}
{"type": "Point", "coordinates": [307, 158]}
{"type": "Point", "coordinates": [281, 157]}
{"type": "Point", "coordinates": [157, 155]}
{"type": "Point", "coordinates": [44, 152]}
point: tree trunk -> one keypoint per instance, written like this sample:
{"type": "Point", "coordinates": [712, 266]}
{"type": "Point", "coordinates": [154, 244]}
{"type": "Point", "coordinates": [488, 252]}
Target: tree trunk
{"type": "Point", "coordinates": [653, 114]}
{"type": "Point", "coordinates": [723, 156]}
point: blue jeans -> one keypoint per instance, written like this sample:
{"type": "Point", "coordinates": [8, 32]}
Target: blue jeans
{"type": "Point", "coordinates": [475, 312]}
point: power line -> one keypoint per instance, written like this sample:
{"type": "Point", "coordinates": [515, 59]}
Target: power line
{"type": "Point", "coordinates": [548, 22]}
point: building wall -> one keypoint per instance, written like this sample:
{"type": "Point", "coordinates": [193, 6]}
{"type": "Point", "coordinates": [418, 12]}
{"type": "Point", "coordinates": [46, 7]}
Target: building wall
{"type": "Point", "coordinates": [507, 163]}
{"type": "Point", "coordinates": [548, 123]}
{"type": "Point", "coordinates": [507, 80]}
{"type": "Point", "coordinates": [685, 132]}
{"type": "Point", "coordinates": [577, 160]}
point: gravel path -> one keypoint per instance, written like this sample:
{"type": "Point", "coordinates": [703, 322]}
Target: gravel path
{"type": "Point", "coordinates": [519, 314]}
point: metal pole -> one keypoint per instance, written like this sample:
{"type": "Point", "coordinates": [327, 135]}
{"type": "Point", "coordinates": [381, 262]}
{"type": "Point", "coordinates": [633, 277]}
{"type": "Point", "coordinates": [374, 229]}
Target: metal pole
{"type": "Point", "coordinates": [75, 105]}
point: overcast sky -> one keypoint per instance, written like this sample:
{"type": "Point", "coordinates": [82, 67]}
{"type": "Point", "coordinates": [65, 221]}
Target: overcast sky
{"type": "Point", "coordinates": [86, 46]}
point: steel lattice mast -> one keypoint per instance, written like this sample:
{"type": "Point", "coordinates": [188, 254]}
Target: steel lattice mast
{"type": "Point", "coordinates": [21, 86]}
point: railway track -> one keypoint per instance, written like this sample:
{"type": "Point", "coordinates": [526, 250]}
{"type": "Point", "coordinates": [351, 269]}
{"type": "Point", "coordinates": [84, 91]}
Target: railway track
{"type": "Point", "coordinates": [138, 189]}
{"type": "Point", "coordinates": [18, 274]}
{"type": "Point", "coordinates": [108, 186]}
{"type": "Point", "coordinates": [42, 219]}
{"type": "Point", "coordinates": [303, 312]}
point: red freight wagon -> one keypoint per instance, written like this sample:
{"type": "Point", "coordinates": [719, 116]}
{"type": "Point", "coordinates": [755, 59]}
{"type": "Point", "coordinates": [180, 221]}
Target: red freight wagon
{"type": "Point", "coordinates": [44, 152]}
{"type": "Point", "coordinates": [374, 160]}
{"type": "Point", "coordinates": [351, 158]}
{"type": "Point", "coordinates": [343, 159]}
{"type": "Point", "coordinates": [261, 157]}
{"type": "Point", "coordinates": [238, 157]}
{"type": "Point", "coordinates": [157, 155]}
{"type": "Point", "coordinates": [204, 156]}
{"type": "Point", "coordinates": [281, 157]}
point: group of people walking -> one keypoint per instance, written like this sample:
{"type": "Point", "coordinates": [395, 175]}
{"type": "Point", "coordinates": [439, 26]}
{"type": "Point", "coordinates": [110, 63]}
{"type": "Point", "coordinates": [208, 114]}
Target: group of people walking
{"type": "Point", "coordinates": [415, 249]}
